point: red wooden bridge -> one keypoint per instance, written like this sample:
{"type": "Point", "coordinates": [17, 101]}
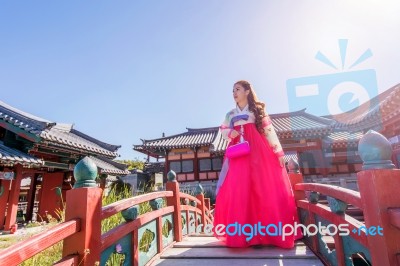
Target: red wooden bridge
{"type": "Point", "coordinates": [167, 234]}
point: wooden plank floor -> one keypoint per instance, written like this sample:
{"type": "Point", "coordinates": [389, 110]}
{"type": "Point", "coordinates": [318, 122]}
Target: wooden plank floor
{"type": "Point", "coordinates": [206, 250]}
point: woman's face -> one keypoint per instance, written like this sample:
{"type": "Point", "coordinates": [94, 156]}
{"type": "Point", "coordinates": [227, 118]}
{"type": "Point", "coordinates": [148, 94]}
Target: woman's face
{"type": "Point", "coordinates": [240, 94]}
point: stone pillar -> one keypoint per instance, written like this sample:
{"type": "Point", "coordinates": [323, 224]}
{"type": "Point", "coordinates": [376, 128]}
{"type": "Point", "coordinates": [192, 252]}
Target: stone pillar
{"type": "Point", "coordinates": [200, 196]}
{"type": "Point", "coordinates": [379, 186]}
{"type": "Point", "coordinates": [84, 202]}
{"type": "Point", "coordinates": [295, 177]}
{"type": "Point", "coordinates": [173, 185]}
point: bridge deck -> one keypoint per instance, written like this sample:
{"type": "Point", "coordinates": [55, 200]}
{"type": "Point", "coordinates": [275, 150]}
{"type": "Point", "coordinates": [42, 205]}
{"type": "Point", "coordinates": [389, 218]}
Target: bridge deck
{"type": "Point", "coordinates": [205, 250]}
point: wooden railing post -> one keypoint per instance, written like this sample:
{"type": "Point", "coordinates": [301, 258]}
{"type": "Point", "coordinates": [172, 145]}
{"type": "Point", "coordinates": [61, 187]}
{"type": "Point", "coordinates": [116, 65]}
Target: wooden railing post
{"type": "Point", "coordinates": [173, 185]}
{"type": "Point", "coordinates": [207, 203]}
{"type": "Point", "coordinates": [200, 196]}
{"type": "Point", "coordinates": [84, 202]}
{"type": "Point", "coordinates": [379, 186]}
{"type": "Point", "coordinates": [295, 177]}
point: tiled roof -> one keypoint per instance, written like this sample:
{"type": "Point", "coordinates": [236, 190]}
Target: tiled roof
{"type": "Point", "coordinates": [287, 125]}
{"type": "Point", "coordinates": [219, 144]}
{"type": "Point", "coordinates": [191, 138]}
{"type": "Point", "coordinates": [370, 114]}
{"type": "Point", "coordinates": [291, 155]}
{"type": "Point", "coordinates": [25, 121]}
{"type": "Point", "coordinates": [301, 124]}
{"type": "Point", "coordinates": [71, 138]}
{"type": "Point", "coordinates": [55, 133]}
{"type": "Point", "coordinates": [10, 156]}
{"type": "Point", "coordinates": [342, 139]}
{"type": "Point", "coordinates": [107, 166]}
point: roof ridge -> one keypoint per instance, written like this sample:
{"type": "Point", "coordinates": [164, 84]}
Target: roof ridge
{"type": "Point", "coordinates": [38, 122]}
{"type": "Point", "coordinates": [201, 129]}
{"type": "Point", "coordinates": [327, 121]}
{"type": "Point", "coordinates": [166, 137]}
{"type": "Point", "coordinates": [107, 146]}
{"type": "Point", "coordinates": [287, 113]}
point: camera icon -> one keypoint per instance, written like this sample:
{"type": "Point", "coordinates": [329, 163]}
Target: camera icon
{"type": "Point", "coordinates": [332, 94]}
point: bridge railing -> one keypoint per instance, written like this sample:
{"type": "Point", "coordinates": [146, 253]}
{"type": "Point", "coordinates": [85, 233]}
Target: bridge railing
{"type": "Point", "coordinates": [340, 239]}
{"type": "Point", "coordinates": [140, 238]}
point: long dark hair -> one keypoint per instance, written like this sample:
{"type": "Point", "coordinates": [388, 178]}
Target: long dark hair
{"type": "Point", "coordinates": [255, 106]}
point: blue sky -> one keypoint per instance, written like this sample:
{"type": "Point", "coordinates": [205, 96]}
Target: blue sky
{"type": "Point", "coordinates": [125, 70]}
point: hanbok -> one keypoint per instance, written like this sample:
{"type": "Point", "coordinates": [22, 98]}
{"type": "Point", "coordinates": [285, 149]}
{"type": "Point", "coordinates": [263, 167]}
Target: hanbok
{"type": "Point", "coordinates": [254, 195]}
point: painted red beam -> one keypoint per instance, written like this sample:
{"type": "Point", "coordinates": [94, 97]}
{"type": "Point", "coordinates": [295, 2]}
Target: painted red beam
{"type": "Point", "coordinates": [208, 220]}
{"type": "Point", "coordinates": [112, 236]}
{"type": "Point", "coordinates": [121, 205]}
{"type": "Point", "coordinates": [347, 195]}
{"type": "Point", "coordinates": [394, 217]}
{"type": "Point", "coordinates": [19, 252]}
{"type": "Point", "coordinates": [190, 197]}
{"type": "Point", "coordinates": [324, 212]}
{"type": "Point", "coordinates": [190, 208]}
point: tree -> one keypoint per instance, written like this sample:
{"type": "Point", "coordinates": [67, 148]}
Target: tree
{"type": "Point", "coordinates": [133, 164]}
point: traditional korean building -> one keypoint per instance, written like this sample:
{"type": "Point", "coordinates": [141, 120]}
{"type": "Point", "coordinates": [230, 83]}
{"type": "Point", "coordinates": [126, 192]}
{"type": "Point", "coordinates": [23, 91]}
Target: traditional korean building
{"type": "Point", "coordinates": [43, 154]}
{"type": "Point", "coordinates": [325, 147]}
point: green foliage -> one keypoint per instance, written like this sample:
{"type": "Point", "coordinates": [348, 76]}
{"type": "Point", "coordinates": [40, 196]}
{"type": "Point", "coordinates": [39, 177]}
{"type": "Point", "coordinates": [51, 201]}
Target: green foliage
{"type": "Point", "coordinates": [145, 242]}
{"type": "Point", "coordinates": [115, 259]}
{"type": "Point", "coordinates": [133, 164]}
{"type": "Point", "coordinates": [5, 242]}
{"type": "Point", "coordinates": [167, 227]}
{"type": "Point", "coordinates": [117, 192]}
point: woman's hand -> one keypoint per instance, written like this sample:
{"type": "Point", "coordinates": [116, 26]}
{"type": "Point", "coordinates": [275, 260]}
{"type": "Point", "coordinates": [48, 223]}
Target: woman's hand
{"type": "Point", "coordinates": [234, 134]}
{"type": "Point", "coordinates": [282, 161]}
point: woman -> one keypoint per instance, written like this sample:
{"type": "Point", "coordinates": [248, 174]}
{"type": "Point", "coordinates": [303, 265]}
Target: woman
{"type": "Point", "coordinates": [253, 189]}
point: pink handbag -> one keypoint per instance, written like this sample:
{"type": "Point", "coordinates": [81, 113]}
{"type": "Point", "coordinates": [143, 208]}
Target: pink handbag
{"type": "Point", "coordinates": [240, 149]}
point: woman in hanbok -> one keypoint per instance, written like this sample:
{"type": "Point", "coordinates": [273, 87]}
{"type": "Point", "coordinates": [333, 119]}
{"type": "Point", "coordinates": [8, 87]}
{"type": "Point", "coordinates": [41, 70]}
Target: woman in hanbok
{"type": "Point", "coordinates": [253, 189]}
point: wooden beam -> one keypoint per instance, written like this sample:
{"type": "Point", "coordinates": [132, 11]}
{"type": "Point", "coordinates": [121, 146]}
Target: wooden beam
{"type": "Point", "coordinates": [19, 252]}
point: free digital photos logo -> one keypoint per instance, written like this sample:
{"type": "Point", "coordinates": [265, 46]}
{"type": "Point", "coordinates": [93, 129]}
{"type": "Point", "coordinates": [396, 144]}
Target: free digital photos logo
{"type": "Point", "coordinates": [342, 96]}
{"type": "Point", "coordinates": [332, 94]}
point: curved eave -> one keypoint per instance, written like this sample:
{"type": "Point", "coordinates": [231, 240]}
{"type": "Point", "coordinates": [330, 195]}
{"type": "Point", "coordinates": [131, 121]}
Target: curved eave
{"type": "Point", "coordinates": [10, 157]}
{"type": "Point", "coordinates": [77, 147]}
